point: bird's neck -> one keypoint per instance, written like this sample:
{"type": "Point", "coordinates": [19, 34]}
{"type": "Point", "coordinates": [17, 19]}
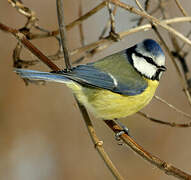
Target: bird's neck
{"type": "Point", "coordinates": [152, 84]}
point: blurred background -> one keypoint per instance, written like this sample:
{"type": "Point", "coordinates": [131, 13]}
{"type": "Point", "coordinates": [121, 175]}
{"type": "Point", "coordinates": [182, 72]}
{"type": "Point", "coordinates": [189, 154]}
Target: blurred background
{"type": "Point", "coordinates": [42, 133]}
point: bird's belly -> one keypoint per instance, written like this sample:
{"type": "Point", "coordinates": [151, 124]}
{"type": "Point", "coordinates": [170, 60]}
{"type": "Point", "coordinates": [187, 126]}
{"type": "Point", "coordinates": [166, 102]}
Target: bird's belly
{"type": "Point", "coordinates": [108, 105]}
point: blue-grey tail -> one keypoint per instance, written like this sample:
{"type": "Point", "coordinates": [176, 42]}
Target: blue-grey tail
{"type": "Point", "coordinates": [44, 76]}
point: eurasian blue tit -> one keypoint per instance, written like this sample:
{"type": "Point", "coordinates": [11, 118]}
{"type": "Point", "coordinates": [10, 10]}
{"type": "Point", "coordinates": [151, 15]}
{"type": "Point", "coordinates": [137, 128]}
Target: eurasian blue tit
{"type": "Point", "coordinates": [116, 86]}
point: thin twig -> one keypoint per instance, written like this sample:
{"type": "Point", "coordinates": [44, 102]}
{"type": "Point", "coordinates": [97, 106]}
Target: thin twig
{"type": "Point", "coordinates": [25, 11]}
{"type": "Point", "coordinates": [87, 15]}
{"type": "Point", "coordinates": [92, 133]}
{"type": "Point", "coordinates": [108, 24]}
{"type": "Point", "coordinates": [183, 11]}
{"type": "Point", "coordinates": [16, 55]}
{"type": "Point", "coordinates": [62, 29]}
{"type": "Point", "coordinates": [182, 80]}
{"type": "Point", "coordinates": [69, 26]}
{"type": "Point", "coordinates": [177, 50]}
{"type": "Point", "coordinates": [139, 5]}
{"type": "Point", "coordinates": [183, 45]}
{"type": "Point", "coordinates": [82, 40]}
{"type": "Point", "coordinates": [181, 8]}
{"type": "Point", "coordinates": [105, 42]}
{"type": "Point", "coordinates": [21, 38]}
{"type": "Point", "coordinates": [172, 124]}
{"type": "Point", "coordinates": [154, 160]}
{"type": "Point", "coordinates": [147, 4]}
{"type": "Point", "coordinates": [84, 17]}
{"type": "Point", "coordinates": [112, 18]}
{"type": "Point", "coordinates": [108, 41]}
{"type": "Point", "coordinates": [98, 144]}
{"type": "Point", "coordinates": [79, 20]}
{"type": "Point", "coordinates": [172, 58]}
{"type": "Point", "coordinates": [152, 19]}
{"type": "Point", "coordinates": [172, 107]}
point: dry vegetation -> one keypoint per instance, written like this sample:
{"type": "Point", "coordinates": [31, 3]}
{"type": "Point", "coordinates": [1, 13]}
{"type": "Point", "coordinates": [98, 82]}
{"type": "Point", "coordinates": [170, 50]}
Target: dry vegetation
{"type": "Point", "coordinates": [177, 50]}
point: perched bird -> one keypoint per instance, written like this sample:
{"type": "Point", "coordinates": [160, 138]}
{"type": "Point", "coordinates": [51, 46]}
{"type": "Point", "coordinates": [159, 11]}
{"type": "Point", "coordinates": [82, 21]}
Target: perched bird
{"type": "Point", "coordinates": [116, 86]}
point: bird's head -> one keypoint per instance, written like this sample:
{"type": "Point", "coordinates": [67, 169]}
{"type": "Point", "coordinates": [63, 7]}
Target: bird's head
{"type": "Point", "coordinates": [148, 59]}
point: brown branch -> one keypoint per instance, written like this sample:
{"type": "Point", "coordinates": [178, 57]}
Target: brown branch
{"type": "Point", "coordinates": [168, 169]}
{"type": "Point", "coordinates": [147, 4]}
{"type": "Point", "coordinates": [70, 25]}
{"type": "Point", "coordinates": [139, 5]}
{"type": "Point", "coordinates": [62, 29]}
{"type": "Point", "coordinates": [172, 124]}
{"type": "Point", "coordinates": [21, 38]}
{"type": "Point", "coordinates": [85, 16]}
{"type": "Point", "coordinates": [181, 8]}
{"type": "Point", "coordinates": [154, 160]}
{"type": "Point", "coordinates": [172, 107]}
{"type": "Point", "coordinates": [179, 48]}
{"type": "Point", "coordinates": [16, 56]}
{"type": "Point", "coordinates": [25, 11]}
{"type": "Point", "coordinates": [152, 19]}
{"type": "Point", "coordinates": [107, 40]}
{"type": "Point", "coordinates": [89, 125]}
{"type": "Point", "coordinates": [114, 36]}
{"type": "Point", "coordinates": [98, 144]}
{"type": "Point", "coordinates": [183, 11]}
{"type": "Point", "coordinates": [182, 80]}
{"type": "Point", "coordinates": [108, 24]}
{"type": "Point", "coordinates": [82, 18]}
{"type": "Point", "coordinates": [103, 42]}
{"type": "Point", "coordinates": [82, 40]}
{"type": "Point", "coordinates": [21, 8]}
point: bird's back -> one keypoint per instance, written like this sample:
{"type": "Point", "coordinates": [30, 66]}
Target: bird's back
{"type": "Point", "coordinates": [110, 105]}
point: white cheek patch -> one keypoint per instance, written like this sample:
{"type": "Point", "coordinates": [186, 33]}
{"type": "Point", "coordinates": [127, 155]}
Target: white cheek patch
{"type": "Point", "coordinates": [145, 68]}
{"type": "Point", "coordinates": [159, 59]}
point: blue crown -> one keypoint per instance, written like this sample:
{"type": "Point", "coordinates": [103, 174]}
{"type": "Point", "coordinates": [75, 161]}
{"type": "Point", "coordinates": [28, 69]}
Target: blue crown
{"type": "Point", "coordinates": [152, 47]}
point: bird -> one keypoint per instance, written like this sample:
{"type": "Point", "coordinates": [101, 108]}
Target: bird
{"type": "Point", "coordinates": [116, 86]}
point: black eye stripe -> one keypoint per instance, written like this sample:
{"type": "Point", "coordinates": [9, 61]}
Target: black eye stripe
{"type": "Point", "coordinates": [148, 59]}
{"type": "Point", "coordinates": [129, 52]}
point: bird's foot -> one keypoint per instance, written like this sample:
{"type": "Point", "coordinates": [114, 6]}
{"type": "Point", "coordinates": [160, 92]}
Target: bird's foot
{"type": "Point", "coordinates": [124, 131]}
{"type": "Point", "coordinates": [117, 135]}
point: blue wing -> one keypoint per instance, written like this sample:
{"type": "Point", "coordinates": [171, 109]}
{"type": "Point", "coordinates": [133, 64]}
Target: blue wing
{"type": "Point", "coordinates": [88, 75]}
{"type": "Point", "coordinates": [107, 73]}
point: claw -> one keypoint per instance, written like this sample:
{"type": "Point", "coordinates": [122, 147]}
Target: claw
{"type": "Point", "coordinates": [125, 129]}
{"type": "Point", "coordinates": [117, 137]}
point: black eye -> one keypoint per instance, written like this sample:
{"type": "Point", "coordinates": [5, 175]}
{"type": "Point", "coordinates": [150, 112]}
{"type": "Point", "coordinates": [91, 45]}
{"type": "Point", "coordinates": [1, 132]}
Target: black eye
{"type": "Point", "coordinates": [150, 60]}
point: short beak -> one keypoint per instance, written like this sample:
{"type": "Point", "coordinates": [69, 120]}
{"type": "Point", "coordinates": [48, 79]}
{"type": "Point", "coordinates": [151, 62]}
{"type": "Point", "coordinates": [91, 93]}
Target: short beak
{"type": "Point", "coordinates": [163, 68]}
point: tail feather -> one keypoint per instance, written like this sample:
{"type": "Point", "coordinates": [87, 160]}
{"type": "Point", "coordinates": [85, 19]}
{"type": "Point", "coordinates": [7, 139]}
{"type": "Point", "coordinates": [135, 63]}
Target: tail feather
{"type": "Point", "coordinates": [38, 75]}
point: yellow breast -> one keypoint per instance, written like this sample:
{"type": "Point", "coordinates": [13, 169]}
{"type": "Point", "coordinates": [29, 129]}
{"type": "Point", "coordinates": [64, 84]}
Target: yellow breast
{"type": "Point", "coordinates": [108, 105]}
